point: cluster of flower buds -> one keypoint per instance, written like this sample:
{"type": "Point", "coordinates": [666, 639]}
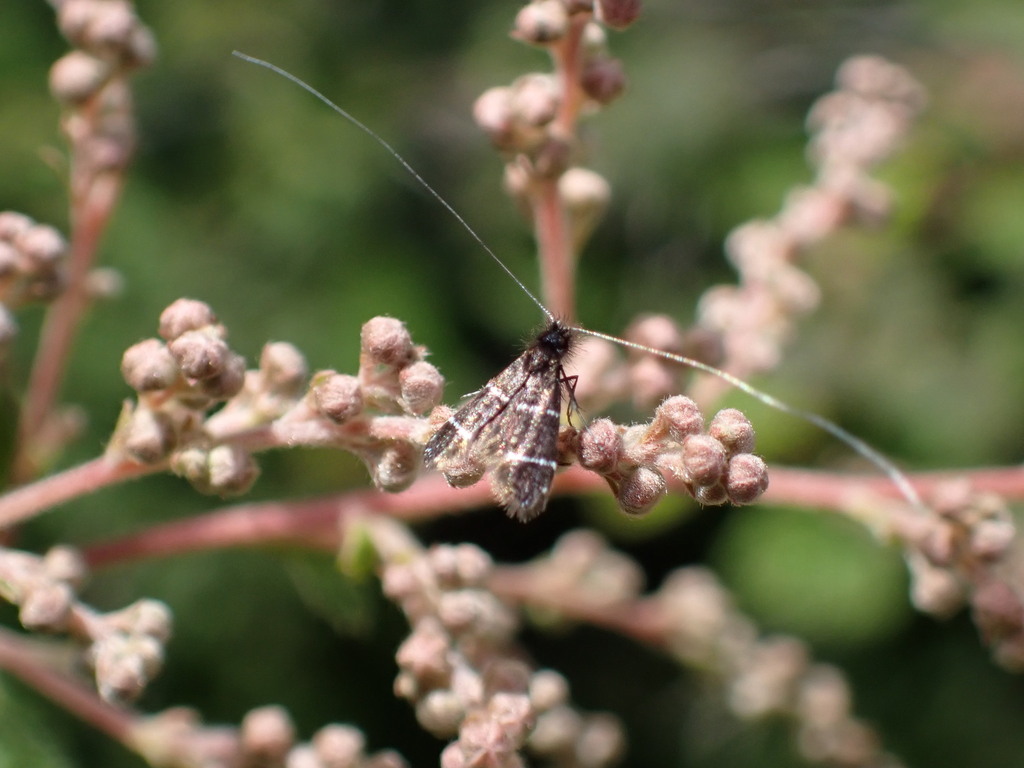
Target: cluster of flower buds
{"type": "Point", "coordinates": [467, 679]}
{"type": "Point", "coordinates": [394, 379]}
{"type": "Point", "coordinates": [124, 648]}
{"type": "Point", "coordinates": [961, 554]}
{"type": "Point", "coordinates": [716, 465]}
{"type": "Point", "coordinates": [692, 616]}
{"type": "Point", "coordinates": [533, 120]}
{"type": "Point", "coordinates": [853, 128]}
{"type": "Point", "coordinates": [92, 83]}
{"type": "Point", "coordinates": [32, 261]}
{"type": "Point", "coordinates": [764, 677]}
{"type": "Point", "coordinates": [377, 414]}
{"type": "Point", "coordinates": [265, 738]}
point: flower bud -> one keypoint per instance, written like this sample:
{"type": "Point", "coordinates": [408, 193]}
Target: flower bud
{"type": "Point", "coordinates": [618, 14]}
{"type": "Point", "coordinates": [337, 396]}
{"type": "Point", "coordinates": [747, 478]}
{"type": "Point", "coordinates": [228, 382]}
{"type": "Point", "coordinates": [200, 354]}
{"type": "Point", "coordinates": [492, 112]}
{"type": "Point", "coordinates": [603, 79]}
{"type": "Point", "coordinates": [149, 366]}
{"type": "Point", "coordinates": [185, 315]}
{"type": "Point", "coordinates": [283, 368]}
{"type": "Point", "coordinates": [386, 341]}
{"type": "Point", "coordinates": [600, 446]}
{"type": "Point", "coordinates": [704, 460]}
{"type": "Point", "coordinates": [77, 76]}
{"type": "Point", "coordinates": [680, 417]}
{"type": "Point", "coordinates": [641, 490]}
{"type": "Point", "coordinates": [267, 733]}
{"type": "Point", "coordinates": [422, 387]}
{"type": "Point", "coordinates": [733, 430]}
{"type": "Point", "coordinates": [232, 470]}
{"type": "Point", "coordinates": [397, 467]}
{"type": "Point", "coordinates": [339, 746]}
{"type": "Point", "coordinates": [47, 607]}
{"type": "Point", "coordinates": [541, 22]}
{"type": "Point", "coordinates": [149, 436]}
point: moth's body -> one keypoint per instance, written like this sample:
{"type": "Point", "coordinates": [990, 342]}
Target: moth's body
{"type": "Point", "coordinates": [510, 426]}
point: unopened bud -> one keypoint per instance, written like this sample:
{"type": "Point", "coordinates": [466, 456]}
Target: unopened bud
{"type": "Point", "coordinates": [185, 315]}
{"type": "Point", "coordinates": [422, 387]}
{"type": "Point", "coordinates": [386, 341]}
{"type": "Point", "coordinates": [232, 470]}
{"type": "Point", "coordinates": [267, 733]}
{"type": "Point", "coordinates": [77, 76]}
{"type": "Point", "coordinates": [704, 460]}
{"type": "Point", "coordinates": [397, 467]}
{"type": "Point", "coordinates": [339, 746]}
{"type": "Point", "coordinates": [680, 417]}
{"type": "Point", "coordinates": [600, 446]}
{"type": "Point", "coordinates": [149, 436]}
{"type": "Point", "coordinates": [149, 366]}
{"type": "Point", "coordinates": [228, 382]}
{"type": "Point", "coordinates": [603, 79]}
{"type": "Point", "coordinates": [618, 14]}
{"type": "Point", "coordinates": [541, 22]}
{"type": "Point", "coordinates": [200, 354]}
{"type": "Point", "coordinates": [337, 396]}
{"type": "Point", "coordinates": [747, 478]}
{"type": "Point", "coordinates": [283, 368]}
{"type": "Point", "coordinates": [733, 430]}
{"type": "Point", "coordinates": [641, 491]}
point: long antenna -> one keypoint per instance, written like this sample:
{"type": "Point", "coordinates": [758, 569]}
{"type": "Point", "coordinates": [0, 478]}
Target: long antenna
{"type": "Point", "coordinates": [883, 463]}
{"type": "Point", "coordinates": [394, 153]}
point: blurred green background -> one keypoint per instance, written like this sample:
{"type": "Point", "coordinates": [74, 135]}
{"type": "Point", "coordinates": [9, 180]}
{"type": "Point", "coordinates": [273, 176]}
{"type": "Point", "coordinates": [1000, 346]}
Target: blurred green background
{"type": "Point", "coordinates": [250, 195]}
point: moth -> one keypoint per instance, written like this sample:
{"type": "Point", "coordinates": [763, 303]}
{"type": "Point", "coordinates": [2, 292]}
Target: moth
{"type": "Point", "coordinates": [511, 425]}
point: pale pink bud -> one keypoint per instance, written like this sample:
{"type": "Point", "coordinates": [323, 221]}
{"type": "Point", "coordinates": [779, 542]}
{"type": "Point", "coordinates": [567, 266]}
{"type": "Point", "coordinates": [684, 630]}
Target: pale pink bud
{"type": "Point", "coordinates": [149, 366]}
{"type": "Point", "coordinates": [397, 467]}
{"type": "Point", "coordinates": [422, 387]}
{"type": "Point", "coordinates": [603, 79]}
{"type": "Point", "coordinates": [733, 430]}
{"type": "Point", "coordinates": [386, 341]}
{"type": "Point", "coordinates": [77, 76]}
{"type": "Point", "coordinates": [66, 564]}
{"type": "Point", "coordinates": [600, 446]}
{"type": "Point", "coordinates": [339, 746]}
{"type": "Point", "coordinates": [149, 436]}
{"type": "Point", "coordinates": [227, 382]}
{"type": "Point", "coordinates": [200, 354]}
{"type": "Point", "coordinates": [548, 689]}
{"type": "Point", "coordinates": [46, 607]}
{"type": "Point", "coordinates": [492, 111]}
{"type": "Point", "coordinates": [41, 244]}
{"type": "Point", "coordinates": [711, 495]}
{"type": "Point", "coordinates": [185, 315]}
{"type": "Point", "coordinates": [641, 490]}
{"type": "Point", "coordinates": [541, 22]}
{"type": "Point", "coordinates": [704, 459]}
{"type": "Point", "coordinates": [601, 743]}
{"type": "Point", "coordinates": [13, 224]}
{"type": "Point", "coordinates": [747, 478]}
{"type": "Point", "coordinates": [535, 99]}
{"type": "Point", "coordinates": [283, 368]}
{"type": "Point", "coordinates": [337, 396]}
{"type": "Point", "coordinates": [440, 712]}
{"type": "Point", "coordinates": [232, 470]}
{"type": "Point", "coordinates": [680, 416]}
{"type": "Point", "coordinates": [618, 14]}
{"type": "Point", "coordinates": [267, 733]}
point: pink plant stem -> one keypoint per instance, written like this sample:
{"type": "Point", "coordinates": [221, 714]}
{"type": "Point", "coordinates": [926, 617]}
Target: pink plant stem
{"type": "Point", "coordinates": [26, 662]}
{"type": "Point", "coordinates": [42, 495]}
{"type": "Point", "coordinates": [555, 251]}
{"type": "Point", "coordinates": [93, 200]}
{"type": "Point", "coordinates": [555, 248]}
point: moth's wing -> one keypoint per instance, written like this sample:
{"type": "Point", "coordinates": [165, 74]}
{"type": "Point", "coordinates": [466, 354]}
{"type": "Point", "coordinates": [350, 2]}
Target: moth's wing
{"type": "Point", "coordinates": [522, 445]}
{"type": "Point", "coordinates": [466, 431]}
